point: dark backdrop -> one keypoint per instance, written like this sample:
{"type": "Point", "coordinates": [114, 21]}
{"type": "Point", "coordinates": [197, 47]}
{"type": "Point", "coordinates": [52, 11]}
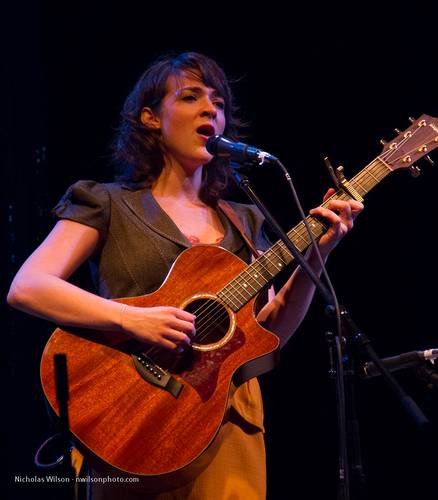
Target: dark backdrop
{"type": "Point", "coordinates": [312, 82]}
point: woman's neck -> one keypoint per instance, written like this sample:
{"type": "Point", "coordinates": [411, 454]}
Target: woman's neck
{"type": "Point", "coordinates": [175, 182]}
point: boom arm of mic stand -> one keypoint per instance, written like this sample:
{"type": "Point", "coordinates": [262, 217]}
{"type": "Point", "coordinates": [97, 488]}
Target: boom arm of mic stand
{"type": "Point", "coordinates": [407, 402]}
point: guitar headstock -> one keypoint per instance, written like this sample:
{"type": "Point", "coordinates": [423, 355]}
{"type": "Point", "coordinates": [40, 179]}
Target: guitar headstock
{"type": "Point", "coordinates": [414, 143]}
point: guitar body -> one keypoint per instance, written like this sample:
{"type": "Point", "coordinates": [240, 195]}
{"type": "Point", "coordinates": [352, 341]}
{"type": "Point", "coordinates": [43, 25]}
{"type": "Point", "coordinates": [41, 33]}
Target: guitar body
{"type": "Point", "coordinates": [122, 420]}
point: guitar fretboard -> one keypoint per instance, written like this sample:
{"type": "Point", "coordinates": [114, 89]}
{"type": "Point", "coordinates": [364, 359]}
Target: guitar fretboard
{"type": "Point", "coordinates": [264, 269]}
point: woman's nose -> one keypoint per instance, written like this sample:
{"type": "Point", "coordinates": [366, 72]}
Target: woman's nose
{"type": "Point", "coordinates": [209, 109]}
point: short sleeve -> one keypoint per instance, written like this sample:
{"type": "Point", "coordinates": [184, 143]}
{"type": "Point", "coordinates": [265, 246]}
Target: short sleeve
{"type": "Point", "coordinates": [86, 202]}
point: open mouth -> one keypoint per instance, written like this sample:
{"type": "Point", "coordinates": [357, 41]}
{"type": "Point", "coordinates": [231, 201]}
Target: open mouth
{"type": "Point", "coordinates": [206, 130]}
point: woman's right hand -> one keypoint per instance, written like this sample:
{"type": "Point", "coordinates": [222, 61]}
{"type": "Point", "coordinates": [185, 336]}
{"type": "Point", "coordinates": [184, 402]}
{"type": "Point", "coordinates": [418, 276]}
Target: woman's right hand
{"type": "Point", "coordinates": [167, 327]}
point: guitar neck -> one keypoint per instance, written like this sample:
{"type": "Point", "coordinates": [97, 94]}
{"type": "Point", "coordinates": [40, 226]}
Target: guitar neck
{"type": "Point", "coordinates": [263, 270]}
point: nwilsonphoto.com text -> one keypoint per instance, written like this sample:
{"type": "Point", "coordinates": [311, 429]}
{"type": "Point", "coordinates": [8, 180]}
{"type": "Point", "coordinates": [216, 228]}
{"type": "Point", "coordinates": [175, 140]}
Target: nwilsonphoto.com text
{"type": "Point", "coordinates": [62, 479]}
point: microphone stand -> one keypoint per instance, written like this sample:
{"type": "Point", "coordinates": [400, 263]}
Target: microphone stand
{"type": "Point", "coordinates": [348, 439]}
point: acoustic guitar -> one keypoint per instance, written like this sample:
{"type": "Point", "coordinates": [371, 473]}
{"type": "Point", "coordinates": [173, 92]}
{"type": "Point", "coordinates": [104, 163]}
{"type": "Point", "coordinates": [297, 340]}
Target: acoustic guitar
{"type": "Point", "coordinates": [143, 411]}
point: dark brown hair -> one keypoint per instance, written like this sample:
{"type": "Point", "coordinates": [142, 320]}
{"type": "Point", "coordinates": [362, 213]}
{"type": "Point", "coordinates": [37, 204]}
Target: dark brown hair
{"type": "Point", "coordinates": [138, 150]}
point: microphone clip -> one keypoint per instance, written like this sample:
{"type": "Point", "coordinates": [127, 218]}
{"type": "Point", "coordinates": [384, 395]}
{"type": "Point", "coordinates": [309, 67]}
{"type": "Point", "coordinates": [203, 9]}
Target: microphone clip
{"type": "Point", "coordinates": [263, 157]}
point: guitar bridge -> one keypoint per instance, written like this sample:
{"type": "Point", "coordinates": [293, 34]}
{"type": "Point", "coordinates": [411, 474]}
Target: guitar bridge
{"type": "Point", "coordinates": [155, 375]}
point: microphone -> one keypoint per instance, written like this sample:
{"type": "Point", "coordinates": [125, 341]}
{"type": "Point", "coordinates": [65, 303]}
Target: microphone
{"type": "Point", "coordinates": [394, 363]}
{"type": "Point", "coordinates": [218, 145]}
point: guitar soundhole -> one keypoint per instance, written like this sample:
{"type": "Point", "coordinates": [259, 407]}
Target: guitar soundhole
{"type": "Point", "coordinates": [214, 323]}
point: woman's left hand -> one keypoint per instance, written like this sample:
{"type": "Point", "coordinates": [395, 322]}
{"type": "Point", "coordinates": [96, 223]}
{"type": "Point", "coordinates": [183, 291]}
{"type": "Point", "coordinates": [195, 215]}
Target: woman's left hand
{"type": "Point", "coordinates": [340, 214]}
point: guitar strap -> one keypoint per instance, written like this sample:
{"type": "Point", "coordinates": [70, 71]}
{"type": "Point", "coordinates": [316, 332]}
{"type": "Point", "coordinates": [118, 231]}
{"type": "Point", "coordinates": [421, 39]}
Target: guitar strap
{"type": "Point", "coordinates": [231, 214]}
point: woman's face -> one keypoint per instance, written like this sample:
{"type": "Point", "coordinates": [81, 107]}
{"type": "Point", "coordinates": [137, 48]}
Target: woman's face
{"type": "Point", "coordinates": [189, 114]}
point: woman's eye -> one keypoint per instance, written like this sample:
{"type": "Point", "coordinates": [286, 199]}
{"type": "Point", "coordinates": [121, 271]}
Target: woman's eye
{"type": "Point", "coordinates": [193, 97]}
{"type": "Point", "coordinates": [189, 97]}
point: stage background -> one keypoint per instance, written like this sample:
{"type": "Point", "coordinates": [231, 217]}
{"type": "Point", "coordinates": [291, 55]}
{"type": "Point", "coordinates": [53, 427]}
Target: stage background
{"type": "Point", "coordinates": [312, 82]}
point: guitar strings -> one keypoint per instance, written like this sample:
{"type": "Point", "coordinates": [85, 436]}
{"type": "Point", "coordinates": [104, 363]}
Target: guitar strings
{"type": "Point", "coordinates": [219, 313]}
{"type": "Point", "coordinates": [202, 310]}
{"type": "Point", "coordinates": [267, 256]}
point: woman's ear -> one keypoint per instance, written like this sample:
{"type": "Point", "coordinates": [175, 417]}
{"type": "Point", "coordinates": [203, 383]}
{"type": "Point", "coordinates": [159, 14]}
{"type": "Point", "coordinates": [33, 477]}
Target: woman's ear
{"type": "Point", "coordinates": [149, 119]}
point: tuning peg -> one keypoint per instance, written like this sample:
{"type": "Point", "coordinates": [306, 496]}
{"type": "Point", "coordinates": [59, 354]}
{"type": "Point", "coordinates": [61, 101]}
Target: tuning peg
{"type": "Point", "coordinates": [411, 119]}
{"type": "Point", "coordinates": [415, 171]}
{"type": "Point", "coordinates": [397, 131]}
{"type": "Point", "coordinates": [383, 142]}
{"type": "Point", "coordinates": [429, 159]}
